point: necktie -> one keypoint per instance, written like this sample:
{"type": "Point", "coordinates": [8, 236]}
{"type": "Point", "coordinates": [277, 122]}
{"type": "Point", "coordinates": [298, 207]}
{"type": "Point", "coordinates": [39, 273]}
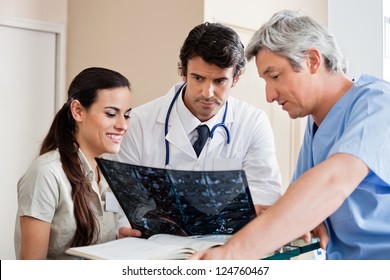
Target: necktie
{"type": "Point", "coordinates": [203, 132]}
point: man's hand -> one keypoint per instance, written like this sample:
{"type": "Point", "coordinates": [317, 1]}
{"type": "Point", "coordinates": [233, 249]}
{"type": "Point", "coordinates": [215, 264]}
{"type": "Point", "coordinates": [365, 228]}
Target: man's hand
{"type": "Point", "coordinates": [321, 232]}
{"type": "Point", "coordinates": [215, 253]}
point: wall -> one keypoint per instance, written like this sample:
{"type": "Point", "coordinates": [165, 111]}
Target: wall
{"type": "Point", "coordinates": [43, 10]}
{"type": "Point", "coordinates": [386, 36]}
{"type": "Point", "coordinates": [364, 54]}
{"type": "Point", "coordinates": [252, 13]}
{"type": "Point", "coordinates": [139, 38]}
{"type": "Point", "coordinates": [27, 94]}
{"type": "Point", "coordinates": [133, 35]}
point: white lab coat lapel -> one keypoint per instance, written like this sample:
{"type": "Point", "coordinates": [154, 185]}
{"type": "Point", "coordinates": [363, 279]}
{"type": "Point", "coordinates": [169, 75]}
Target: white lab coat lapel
{"type": "Point", "coordinates": [218, 139]}
{"type": "Point", "coordinates": [176, 136]}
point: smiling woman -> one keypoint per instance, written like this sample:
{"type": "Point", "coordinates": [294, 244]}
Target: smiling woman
{"type": "Point", "coordinates": [61, 196]}
{"type": "Point", "coordinates": [102, 125]}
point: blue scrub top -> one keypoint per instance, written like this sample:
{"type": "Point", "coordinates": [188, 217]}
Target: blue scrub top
{"type": "Point", "coordinates": [358, 124]}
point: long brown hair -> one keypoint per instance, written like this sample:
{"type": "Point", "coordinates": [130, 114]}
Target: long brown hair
{"type": "Point", "coordinates": [84, 88]}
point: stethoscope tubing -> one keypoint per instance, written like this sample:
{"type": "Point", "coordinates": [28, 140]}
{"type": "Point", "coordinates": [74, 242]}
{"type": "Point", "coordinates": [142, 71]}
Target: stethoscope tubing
{"type": "Point", "coordinates": [212, 131]}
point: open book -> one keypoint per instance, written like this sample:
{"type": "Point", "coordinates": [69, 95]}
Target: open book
{"type": "Point", "coordinates": [180, 202]}
{"type": "Point", "coordinates": [159, 246]}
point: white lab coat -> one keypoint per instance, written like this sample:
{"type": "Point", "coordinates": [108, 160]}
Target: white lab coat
{"type": "Point", "coordinates": [251, 146]}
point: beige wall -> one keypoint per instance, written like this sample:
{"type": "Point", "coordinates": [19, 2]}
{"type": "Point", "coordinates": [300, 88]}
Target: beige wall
{"type": "Point", "coordinates": [54, 11]}
{"type": "Point", "coordinates": [252, 13]}
{"type": "Point", "coordinates": [142, 38]}
{"type": "Point", "coordinates": [139, 38]}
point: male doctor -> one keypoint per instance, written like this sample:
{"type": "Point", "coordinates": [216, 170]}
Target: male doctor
{"type": "Point", "coordinates": [238, 136]}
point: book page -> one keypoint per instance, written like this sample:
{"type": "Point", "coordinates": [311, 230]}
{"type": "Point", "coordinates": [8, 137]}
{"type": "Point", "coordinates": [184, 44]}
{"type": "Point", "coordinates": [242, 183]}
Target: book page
{"type": "Point", "coordinates": [196, 243]}
{"type": "Point", "coordinates": [130, 248]}
{"type": "Point", "coordinates": [160, 246]}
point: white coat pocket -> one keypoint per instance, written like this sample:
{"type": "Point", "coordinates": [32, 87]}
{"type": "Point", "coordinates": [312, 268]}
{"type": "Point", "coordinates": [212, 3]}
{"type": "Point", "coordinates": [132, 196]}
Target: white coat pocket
{"type": "Point", "coordinates": [227, 164]}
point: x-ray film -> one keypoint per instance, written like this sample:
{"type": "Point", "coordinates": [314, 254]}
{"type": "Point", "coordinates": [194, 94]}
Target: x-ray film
{"type": "Point", "coordinates": [180, 202]}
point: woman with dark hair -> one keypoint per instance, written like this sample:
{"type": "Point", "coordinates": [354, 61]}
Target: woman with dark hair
{"type": "Point", "coordinates": [62, 197]}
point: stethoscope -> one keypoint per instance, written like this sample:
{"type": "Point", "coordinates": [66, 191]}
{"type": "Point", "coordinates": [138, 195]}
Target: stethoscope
{"type": "Point", "coordinates": [221, 124]}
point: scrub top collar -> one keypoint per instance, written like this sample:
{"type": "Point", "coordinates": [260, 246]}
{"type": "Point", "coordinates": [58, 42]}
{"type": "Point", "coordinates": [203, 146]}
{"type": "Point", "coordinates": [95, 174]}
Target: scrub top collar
{"type": "Point", "coordinates": [339, 105]}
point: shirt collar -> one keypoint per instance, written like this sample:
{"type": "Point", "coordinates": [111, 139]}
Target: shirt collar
{"type": "Point", "coordinates": [87, 169]}
{"type": "Point", "coordinates": [189, 121]}
{"type": "Point", "coordinates": [90, 174]}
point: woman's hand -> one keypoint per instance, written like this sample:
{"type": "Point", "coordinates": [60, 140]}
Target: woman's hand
{"type": "Point", "coordinates": [260, 209]}
{"type": "Point", "coordinates": [128, 232]}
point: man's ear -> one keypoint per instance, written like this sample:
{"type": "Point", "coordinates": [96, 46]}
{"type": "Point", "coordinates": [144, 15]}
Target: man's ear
{"type": "Point", "coordinates": [237, 77]}
{"type": "Point", "coordinates": [313, 60]}
{"type": "Point", "coordinates": [77, 110]}
{"type": "Point", "coordinates": [180, 71]}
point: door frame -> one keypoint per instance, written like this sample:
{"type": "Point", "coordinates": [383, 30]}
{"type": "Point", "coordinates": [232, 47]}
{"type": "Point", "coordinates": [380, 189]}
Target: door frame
{"type": "Point", "coordinates": [59, 97]}
{"type": "Point", "coordinates": [59, 31]}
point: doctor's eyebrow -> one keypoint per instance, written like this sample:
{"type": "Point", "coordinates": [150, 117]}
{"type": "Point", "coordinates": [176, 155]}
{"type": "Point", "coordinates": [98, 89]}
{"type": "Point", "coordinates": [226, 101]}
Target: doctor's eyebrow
{"type": "Point", "coordinates": [220, 79]}
{"type": "Point", "coordinates": [196, 75]}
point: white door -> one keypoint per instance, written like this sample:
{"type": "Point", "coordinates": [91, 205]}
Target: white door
{"type": "Point", "coordinates": [27, 98]}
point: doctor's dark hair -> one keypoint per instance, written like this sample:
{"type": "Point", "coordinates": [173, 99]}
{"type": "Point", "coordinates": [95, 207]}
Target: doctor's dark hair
{"type": "Point", "coordinates": [214, 43]}
{"type": "Point", "coordinates": [291, 35]}
{"type": "Point", "coordinates": [85, 88]}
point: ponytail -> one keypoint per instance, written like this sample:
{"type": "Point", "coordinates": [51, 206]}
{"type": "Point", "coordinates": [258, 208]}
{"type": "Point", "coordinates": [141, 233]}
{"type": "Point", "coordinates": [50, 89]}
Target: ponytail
{"type": "Point", "coordinates": [61, 137]}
